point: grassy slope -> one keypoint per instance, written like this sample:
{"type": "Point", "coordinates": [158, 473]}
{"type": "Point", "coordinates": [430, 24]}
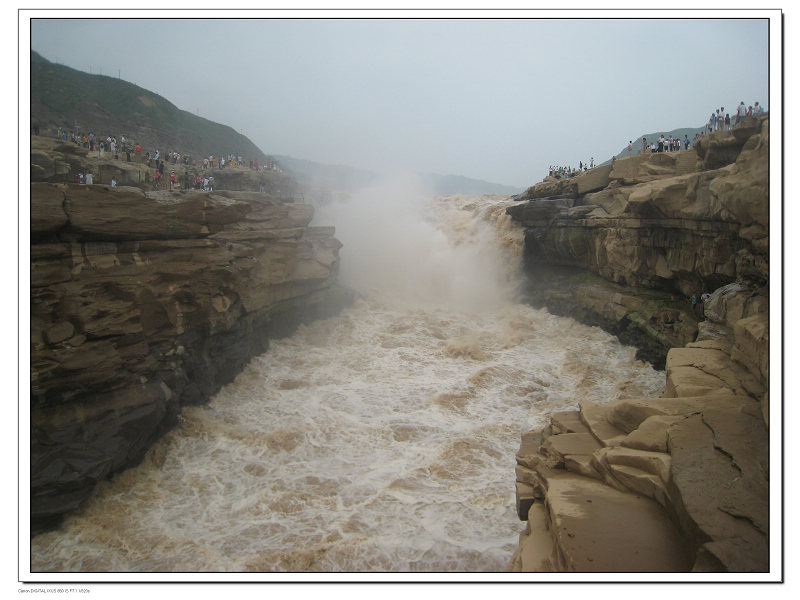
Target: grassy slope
{"type": "Point", "coordinates": [65, 92]}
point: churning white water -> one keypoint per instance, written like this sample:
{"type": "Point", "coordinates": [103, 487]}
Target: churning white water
{"type": "Point", "coordinates": [379, 440]}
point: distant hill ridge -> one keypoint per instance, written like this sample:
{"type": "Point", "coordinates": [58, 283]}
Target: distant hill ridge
{"type": "Point", "coordinates": [79, 101]}
{"type": "Point", "coordinates": [653, 137]}
{"type": "Point", "coordinates": [343, 178]}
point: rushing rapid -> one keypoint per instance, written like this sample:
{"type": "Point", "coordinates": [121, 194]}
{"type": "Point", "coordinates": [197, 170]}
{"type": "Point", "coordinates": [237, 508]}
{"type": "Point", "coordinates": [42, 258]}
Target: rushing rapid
{"type": "Point", "coordinates": [382, 439]}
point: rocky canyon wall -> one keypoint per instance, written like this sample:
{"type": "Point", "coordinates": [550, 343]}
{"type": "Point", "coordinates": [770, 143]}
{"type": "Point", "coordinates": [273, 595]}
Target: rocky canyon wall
{"type": "Point", "coordinates": [626, 245]}
{"type": "Point", "coordinates": [144, 302]}
{"type": "Point", "coordinates": [681, 482]}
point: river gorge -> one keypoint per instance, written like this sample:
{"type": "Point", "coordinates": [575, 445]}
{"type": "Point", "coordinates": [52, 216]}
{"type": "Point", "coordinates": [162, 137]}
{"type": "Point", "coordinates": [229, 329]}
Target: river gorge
{"type": "Point", "coordinates": [381, 439]}
{"type": "Point", "coordinates": [222, 384]}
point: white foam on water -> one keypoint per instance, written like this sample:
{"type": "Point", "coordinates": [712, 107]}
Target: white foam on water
{"type": "Point", "coordinates": [379, 440]}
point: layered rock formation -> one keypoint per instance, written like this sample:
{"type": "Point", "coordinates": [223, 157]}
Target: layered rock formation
{"type": "Point", "coordinates": [673, 224]}
{"type": "Point", "coordinates": [144, 302]}
{"type": "Point", "coordinates": [680, 482]}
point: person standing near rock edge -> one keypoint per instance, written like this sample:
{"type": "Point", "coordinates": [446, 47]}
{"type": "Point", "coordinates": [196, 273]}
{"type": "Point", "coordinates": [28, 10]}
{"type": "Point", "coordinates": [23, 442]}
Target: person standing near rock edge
{"type": "Point", "coordinates": [630, 148]}
{"type": "Point", "coordinates": [741, 110]}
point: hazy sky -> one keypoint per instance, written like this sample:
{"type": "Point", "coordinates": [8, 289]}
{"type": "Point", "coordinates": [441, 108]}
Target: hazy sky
{"type": "Point", "coordinates": [493, 99]}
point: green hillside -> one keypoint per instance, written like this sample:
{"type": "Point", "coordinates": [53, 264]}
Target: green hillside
{"type": "Point", "coordinates": [65, 97]}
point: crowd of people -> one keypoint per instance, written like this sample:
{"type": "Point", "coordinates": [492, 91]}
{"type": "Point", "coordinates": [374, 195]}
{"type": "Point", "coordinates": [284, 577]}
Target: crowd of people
{"type": "Point", "coordinates": [562, 172]}
{"type": "Point", "coordinates": [110, 147]}
{"type": "Point", "coordinates": [722, 121]}
{"type": "Point", "coordinates": [664, 144]}
{"type": "Point", "coordinates": [719, 121]}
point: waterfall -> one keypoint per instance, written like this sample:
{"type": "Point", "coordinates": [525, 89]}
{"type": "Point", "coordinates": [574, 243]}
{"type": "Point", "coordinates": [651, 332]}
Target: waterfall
{"type": "Point", "coordinates": [382, 439]}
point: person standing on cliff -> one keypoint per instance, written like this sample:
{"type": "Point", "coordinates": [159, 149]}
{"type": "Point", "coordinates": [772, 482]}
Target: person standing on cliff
{"type": "Point", "coordinates": [630, 148]}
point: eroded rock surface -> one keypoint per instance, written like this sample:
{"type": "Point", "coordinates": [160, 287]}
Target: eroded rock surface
{"type": "Point", "coordinates": [672, 225]}
{"type": "Point", "coordinates": [677, 483]}
{"type": "Point", "coordinates": [680, 482]}
{"type": "Point", "coordinates": [142, 303]}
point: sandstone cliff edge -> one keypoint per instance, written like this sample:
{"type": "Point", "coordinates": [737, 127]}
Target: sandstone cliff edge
{"type": "Point", "coordinates": [677, 483]}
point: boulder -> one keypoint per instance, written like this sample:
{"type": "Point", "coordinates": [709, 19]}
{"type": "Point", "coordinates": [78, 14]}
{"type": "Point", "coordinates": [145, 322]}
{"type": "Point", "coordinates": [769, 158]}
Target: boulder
{"type": "Point", "coordinates": [596, 420]}
{"type": "Point", "coordinates": [594, 179]}
{"type": "Point", "coordinates": [651, 434]}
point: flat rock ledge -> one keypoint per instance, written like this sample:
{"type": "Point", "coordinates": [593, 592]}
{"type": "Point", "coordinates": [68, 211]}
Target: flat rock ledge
{"type": "Point", "coordinates": [678, 483]}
